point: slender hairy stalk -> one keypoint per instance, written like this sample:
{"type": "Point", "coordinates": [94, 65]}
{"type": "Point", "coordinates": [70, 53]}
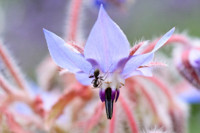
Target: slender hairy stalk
{"type": "Point", "coordinates": [149, 99]}
{"type": "Point", "coordinates": [95, 117]}
{"type": "Point", "coordinates": [128, 112]}
{"type": "Point", "coordinates": [113, 121]}
{"type": "Point", "coordinates": [163, 88]}
{"type": "Point", "coordinates": [12, 67]}
{"type": "Point", "coordinates": [135, 48]}
{"type": "Point", "coordinates": [74, 19]}
{"type": "Point", "coordinates": [5, 85]}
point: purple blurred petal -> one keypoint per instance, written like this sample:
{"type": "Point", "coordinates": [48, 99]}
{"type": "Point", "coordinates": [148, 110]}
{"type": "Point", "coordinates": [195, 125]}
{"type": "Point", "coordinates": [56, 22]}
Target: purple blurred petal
{"type": "Point", "coordinates": [106, 44]}
{"type": "Point", "coordinates": [190, 96]}
{"type": "Point", "coordinates": [117, 95]}
{"type": "Point", "coordinates": [49, 97]}
{"type": "Point", "coordinates": [102, 95]}
{"type": "Point", "coordinates": [65, 57]}
{"type": "Point", "coordinates": [83, 78]}
{"type": "Point", "coordinates": [137, 60]}
{"type": "Point", "coordinates": [194, 58]}
{"type": "Point", "coordinates": [22, 108]}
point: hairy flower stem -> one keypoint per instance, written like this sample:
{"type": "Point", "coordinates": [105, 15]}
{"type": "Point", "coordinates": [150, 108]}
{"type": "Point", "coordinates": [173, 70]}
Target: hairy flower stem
{"type": "Point", "coordinates": [130, 116]}
{"type": "Point", "coordinates": [13, 93]}
{"type": "Point", "coordinates": [174, 110]}
{"type": "Point", "coordinates": [164, 89]}
{"type": "Point", "coordinates": [135, 48]}
{"type": "Point", "coordinates": [74, 19]}
{"type": "Point", "coordinates": [12, 67]}
{"type": "Point", "coordinates": [94, 120]}
{"type": "Point", "coordinates": [14, 126]}
{"type": "Point", "coordinates": [5, 85]}
{"type": "Point", "coordinates": [174, 39]}
{"type": "Point", "coordinates": [113, 121]}
{"type": "Point", "coordinates": [150, 100]}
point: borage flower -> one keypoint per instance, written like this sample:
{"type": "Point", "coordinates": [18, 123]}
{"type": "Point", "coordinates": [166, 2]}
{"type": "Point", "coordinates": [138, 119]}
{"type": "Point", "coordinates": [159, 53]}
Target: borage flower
{"type": "Point", "coordinates": [106, 61]}
{"type": "Point", "coordinates": [188, 64]}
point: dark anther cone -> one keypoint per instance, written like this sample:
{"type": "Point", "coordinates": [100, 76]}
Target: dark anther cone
{"type": "Point", "coordinates": [109, 103]}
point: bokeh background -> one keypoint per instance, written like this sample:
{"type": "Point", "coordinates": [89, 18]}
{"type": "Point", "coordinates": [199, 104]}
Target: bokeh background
{"type": "Point", "coordinates": [21, 23]}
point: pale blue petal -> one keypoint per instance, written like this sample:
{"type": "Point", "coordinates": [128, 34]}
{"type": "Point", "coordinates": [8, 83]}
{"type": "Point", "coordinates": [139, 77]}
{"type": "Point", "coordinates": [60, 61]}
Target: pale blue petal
{"type": "Point", "coordinates": [145, 71]}
{"type": "Point", "coordinates": [22, 108]}
{"type": "Point", "coordinates": [134, 62]}
{"type": "Point", "coordinates": [163, 40]}
{"type": "Point", "coordinates": [64, 56]}
{"type": "Point", "coordinates": [191, 95]}
{"type": "Point", "coordinates": [137, 60]}
{"type": "Point", "coordinates": [83, 78]}
{"type": "Point", "coordinates": [106, 44]}
{"type": "Point", "coordinates": [194, 58]}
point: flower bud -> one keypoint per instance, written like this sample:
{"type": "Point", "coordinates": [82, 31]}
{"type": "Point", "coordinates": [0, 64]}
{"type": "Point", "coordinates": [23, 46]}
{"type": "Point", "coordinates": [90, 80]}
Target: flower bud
{"type": "Point", "coordinates": [189, 66]}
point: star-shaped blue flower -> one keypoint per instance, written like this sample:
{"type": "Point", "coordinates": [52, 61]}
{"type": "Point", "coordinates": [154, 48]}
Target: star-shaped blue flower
{"type": "Point", "coordinates": [106, 61]}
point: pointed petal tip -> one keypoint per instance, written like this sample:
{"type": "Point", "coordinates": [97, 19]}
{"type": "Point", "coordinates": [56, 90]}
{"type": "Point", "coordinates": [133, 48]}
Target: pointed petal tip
{"type": "Point", "coordinates": [47, 33]}
{"type": "Point", "coordinates": [172, 31]}
{"type": "Point", "coordinates": [164, 39]}
{"type": "Point", "coordinates": [102, 12]}
{"type": "Point", "coordinates": [45, 30]}
{"type": "Point", "coordinates": [101, 8]}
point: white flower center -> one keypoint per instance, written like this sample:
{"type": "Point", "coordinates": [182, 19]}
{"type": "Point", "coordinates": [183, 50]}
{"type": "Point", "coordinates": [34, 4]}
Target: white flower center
{"type": "Point", "coordinates": [112, 80]}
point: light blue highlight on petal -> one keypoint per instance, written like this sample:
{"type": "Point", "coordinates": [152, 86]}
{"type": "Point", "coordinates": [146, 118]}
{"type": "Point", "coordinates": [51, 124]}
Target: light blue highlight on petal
{"type": "Point", "coordinates": [106, 44]}
{"type": "Point", "coordinates": [190, 96]}
{"type": "Point", "coordinates": [64, 56]}
{"type": "Point", "coordinates": [83, 78]}
{"type": "Point", "coordinates": [163, 40]}
{"type": "Point", "coordinates": [137, 60]}
{"type": "Point", "coordinates": [22, 108]}
{"type": "Point", "coordinates": [134, 62]}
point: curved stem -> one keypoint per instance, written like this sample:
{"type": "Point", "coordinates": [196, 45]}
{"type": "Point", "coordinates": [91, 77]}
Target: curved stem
{"type": "Point", "coordinates": [5, 85]}
{"type": "Point", "coordinates": [149, 99]}
{"type": "Point", "coordinates": [95, 117]}
{"type": "Point", "coordinates": [163, 88]}
{"type": "Point", "coordinates": [130, 116]}
{"type": "Point", "coordinates": [12, 67]}
{"type": "Point", "coordinates": [74, 19]}
{"type": "Point", "coordinates": [112, 121]}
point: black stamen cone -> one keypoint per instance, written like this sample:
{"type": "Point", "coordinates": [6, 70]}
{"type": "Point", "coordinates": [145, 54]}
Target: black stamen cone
{"type": "Point", "coordinates": [109, 103]}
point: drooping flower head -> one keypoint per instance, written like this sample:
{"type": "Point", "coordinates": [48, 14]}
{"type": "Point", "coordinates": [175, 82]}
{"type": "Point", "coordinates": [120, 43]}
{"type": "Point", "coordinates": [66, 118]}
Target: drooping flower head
{"type": "Point", "coordinates": [106, 62]}
{"type": "Point", "coordinates": [188, 65]}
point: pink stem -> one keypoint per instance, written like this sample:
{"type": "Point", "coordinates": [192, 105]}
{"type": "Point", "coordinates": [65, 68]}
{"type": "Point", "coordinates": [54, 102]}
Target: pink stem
{"type": "Point", "coordinates": [130, 116]}
{"type": "Point", "coordinates": [163, 88]}
{"type": "Point", "coordinates": [135, 48]}
{"type": "Point", "coordinates": [74, 16]}
{"type": "Point", "coordinates": [147, 96]}
{"type": "Point", "coordinates": [4, 84]}
{"type": "Point", "coordinates": [112, 122]}
{"type": "Point", "coordinates": [149, 99]}
{"type": "Point", "coordinates": [174, 39]}
{"type": "Point", "coordinates": [13, 125]}
{"type": "Point", "coordinates": [95, 117]}
{"type": "Point", "coordinates": [19, 95]}
{"type": "Point", "coordinates": [11, 66]}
